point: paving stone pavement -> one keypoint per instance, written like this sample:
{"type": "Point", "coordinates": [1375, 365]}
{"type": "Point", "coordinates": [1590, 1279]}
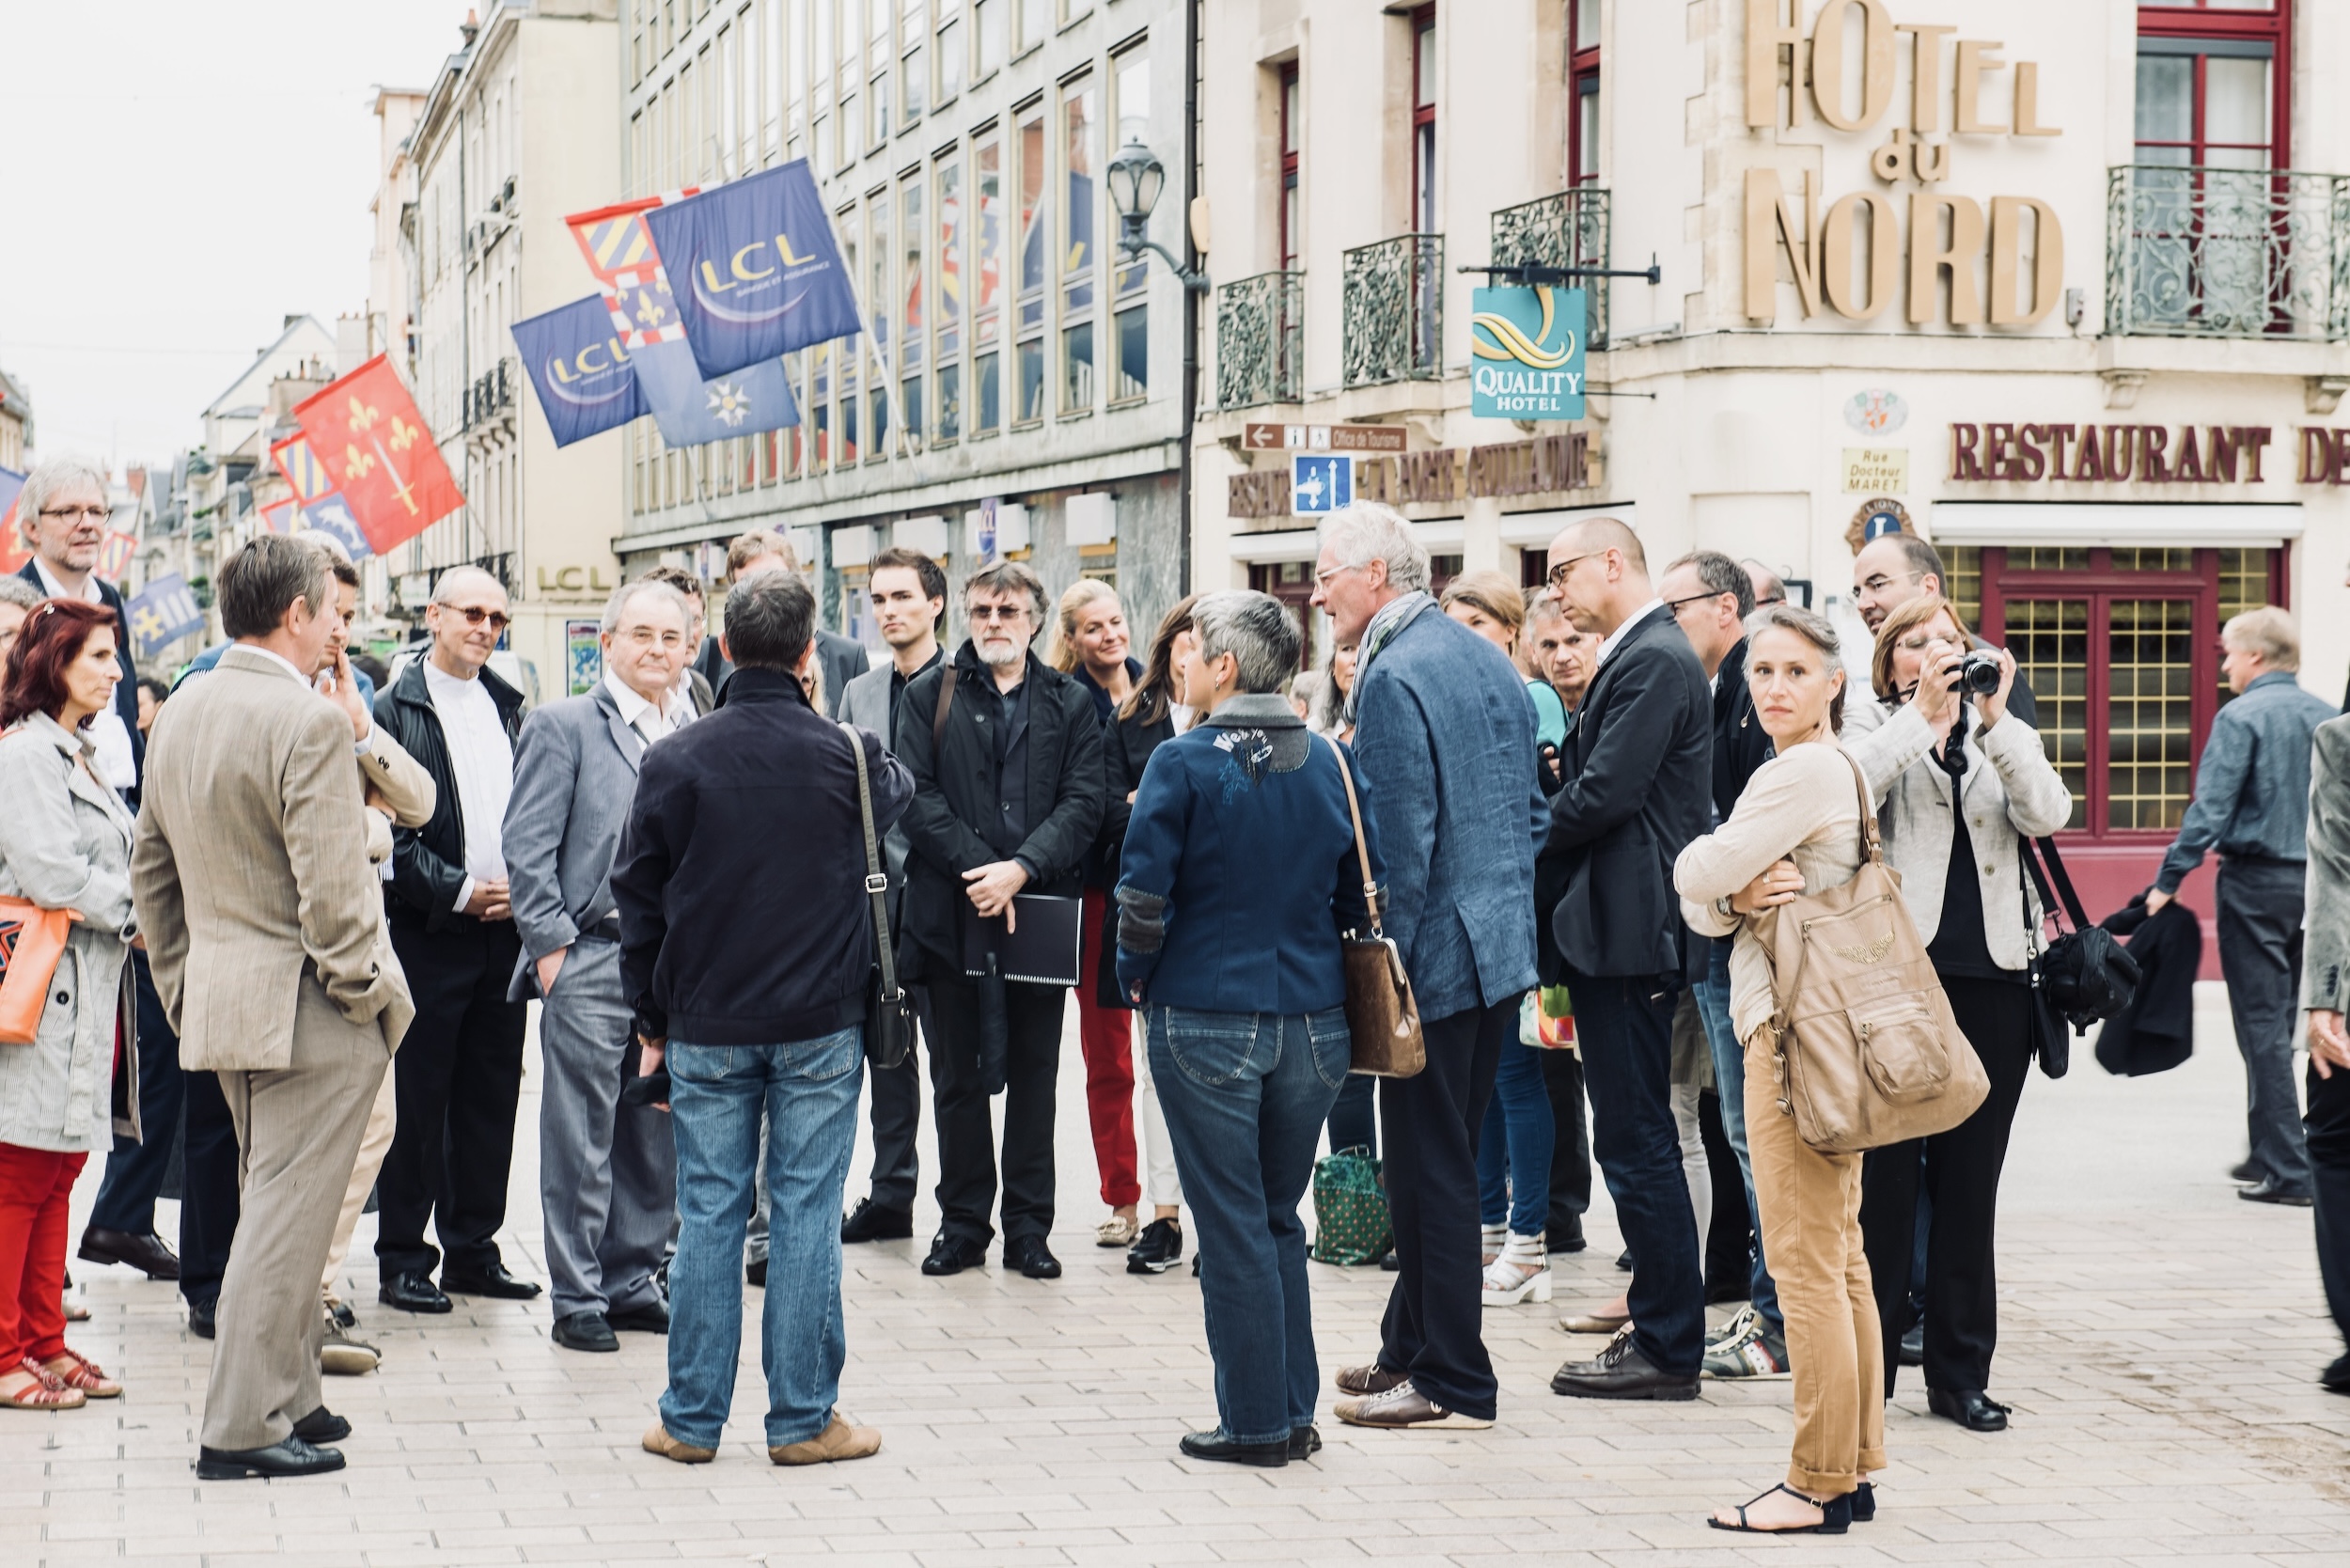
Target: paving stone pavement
{"type": "Point", "coordinates": [2160, 1345]}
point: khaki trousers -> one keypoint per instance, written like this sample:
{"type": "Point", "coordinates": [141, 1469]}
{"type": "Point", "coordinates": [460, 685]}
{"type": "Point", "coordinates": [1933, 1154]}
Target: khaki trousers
{"type": "Point", "coordinates": [374, 1145]}
{"type": "Point", "coordinates": [298, 1131]}
{"type": "Point", "coordinates": [1810, 1207]}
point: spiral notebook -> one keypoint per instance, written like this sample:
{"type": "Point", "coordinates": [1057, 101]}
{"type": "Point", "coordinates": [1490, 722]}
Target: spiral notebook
{"type": "Point", "coordinates": [1042, 946]}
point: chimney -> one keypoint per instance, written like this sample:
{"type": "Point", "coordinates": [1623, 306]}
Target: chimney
{"type": "Point", "coordinates": [471, 27]}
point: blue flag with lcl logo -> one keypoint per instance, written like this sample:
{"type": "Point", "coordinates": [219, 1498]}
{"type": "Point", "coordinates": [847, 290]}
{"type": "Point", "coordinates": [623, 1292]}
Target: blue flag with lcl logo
{"type": "Point", "coordinates": [754, 269]}
{"type": "Point", "coordinates": [691, 410]}
{"type": "Point", "coordinates": [586, 381]}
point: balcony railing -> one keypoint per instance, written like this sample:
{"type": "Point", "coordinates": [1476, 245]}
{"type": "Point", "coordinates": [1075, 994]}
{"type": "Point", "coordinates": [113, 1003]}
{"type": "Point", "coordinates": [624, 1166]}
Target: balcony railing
{"type": "Point", "coordinates": [1394, 309]}
{"type": "Point", "coordinates": [1569, 229]}
{"type": "Point", "coordinates": [491, 395]}
{"type": "Point", "coordinates": [1260, 340]}
{"type": "Point", "coordinates": [2202, 252]}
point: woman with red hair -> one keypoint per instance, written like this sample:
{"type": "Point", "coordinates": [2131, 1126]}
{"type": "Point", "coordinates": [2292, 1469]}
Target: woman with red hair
{"type": "Point", "coordinates": [65, 843]}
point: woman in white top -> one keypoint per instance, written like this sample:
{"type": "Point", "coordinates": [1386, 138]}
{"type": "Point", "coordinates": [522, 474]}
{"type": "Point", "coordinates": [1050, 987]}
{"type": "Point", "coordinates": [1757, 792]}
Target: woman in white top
{"type": "Point", "coordinates": [1797, 829]}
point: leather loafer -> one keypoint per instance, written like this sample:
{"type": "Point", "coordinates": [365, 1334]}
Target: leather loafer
{"type": "Point", "coordinates": [1363, 1382]}
{"type": "Point", "coordinates": [1913, 1346]}
{"type": "Point", "coordinates": [640, 1320]}
{"type": "Point", "coordinates": [871, 1221]}
{"type": "Point", "coordinates": [1216, 1446]}
{"type": "Point", "coordinates": [2335, 1378]}
{"type": "Point", "coordinates": [200, 1316]}
{"type": "Point", "coordinates": [412, 1292]}
{"type": "Point", "coordinates": [1305, 1441]}
{"type": "Point", "coordinates": [1970, 1407]}
{"type": "Point", "coordinates": [292, 1457]}
{"type": "Point", "coordinates": [491, 1281]}
{"type": "Point", "coordinates": [2266, 1190]}
{"type": "Point", "coordinates": [952, 1255]}
{"type": "Point", "coordinates": [588, 1331]}
{"type": "Point", "coordinates": [1403, 1407]}
{"type": "Point", "coordinates": [1031, 1257]}
{"type": "Point", "coordinates": [1620, 1371]}
{"type": "Point", "coordinates": [322, 1426]}
{"type": "Point", "coordinates": [148, 1253]}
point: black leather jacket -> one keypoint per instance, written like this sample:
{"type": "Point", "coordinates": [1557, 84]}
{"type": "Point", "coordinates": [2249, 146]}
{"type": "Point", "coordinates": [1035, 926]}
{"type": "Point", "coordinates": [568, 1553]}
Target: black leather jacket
{"type": "Point", "coordinates": [429, 863]}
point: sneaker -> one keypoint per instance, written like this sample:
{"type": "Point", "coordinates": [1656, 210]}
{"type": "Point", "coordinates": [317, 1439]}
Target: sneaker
{"type": "Point", "coordinates": [1755, 1356]}
{"type": "Point", "coordinates": [1740, 1324]}
{"type": "Point", "coordinates": [340, 1356]}
{"type": "Point", "coordinates": [1160, 1248]}
{"type": "Point", "coordinates": [1521, 1272]}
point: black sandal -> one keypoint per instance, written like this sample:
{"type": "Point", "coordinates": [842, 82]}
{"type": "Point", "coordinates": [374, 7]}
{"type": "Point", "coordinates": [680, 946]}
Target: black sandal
{"type": "Point", "coordinates": [1835, 1516]}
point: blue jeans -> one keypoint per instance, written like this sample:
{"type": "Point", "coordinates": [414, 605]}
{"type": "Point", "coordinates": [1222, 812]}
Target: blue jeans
{"type": "Point", "coordinates": [1513, 1150]}
{"type": "Point", "coordinates": [1355, 1117]}
{"type": "Point", "coordinates": [1245, 1095]}
{"type": "Point", "coordinates": [1729, 1083]}
{"type": "Point", "coordinates": [809, 1090]}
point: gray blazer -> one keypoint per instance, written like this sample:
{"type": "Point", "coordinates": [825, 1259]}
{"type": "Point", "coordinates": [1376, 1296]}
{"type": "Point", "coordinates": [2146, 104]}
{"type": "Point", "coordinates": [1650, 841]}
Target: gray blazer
{"type": "Point", "coordinates": [65, 843]}
{"type": "Point", "coordinates": [865, 702]}
{"type": "Point", "coordinates": [2326, 924]}
{"type": "Point", "coordinates": [574, 774]}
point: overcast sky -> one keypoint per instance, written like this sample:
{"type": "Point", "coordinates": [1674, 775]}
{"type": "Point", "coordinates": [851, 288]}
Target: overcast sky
{"type": "Point", "coordinates": [178, 176]}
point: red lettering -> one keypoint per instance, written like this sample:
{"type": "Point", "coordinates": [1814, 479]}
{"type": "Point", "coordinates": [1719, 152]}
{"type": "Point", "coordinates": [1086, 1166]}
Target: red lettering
{"type": "Point", "coordinates": [2190, 459]}
{"type": "Point", "coordinates": [2256, 441]}
{"type": "Point", "coordinates": [2219, 454]}
{"type": "Point", "coordinates": [2028, 441]}
{"type": "Point", "coordinates": [1964, 463]}
{"type": "Point", "coordinates": [2317, 456]}
{"type": "Point", "coordinates": [1996, 442]}
{"type": "Point", "coordinates": [2058, 437]}
{"type": "Point", "coordinates": [2091, 465]}
{"type": "Point", "coordinates": [2153, 467]}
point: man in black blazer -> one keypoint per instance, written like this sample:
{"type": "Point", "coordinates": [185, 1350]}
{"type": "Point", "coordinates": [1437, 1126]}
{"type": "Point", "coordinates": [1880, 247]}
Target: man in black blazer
{"type": "Point", "coordinates": [840, 660]}
{"type": "Point", "coordinates": [1639, 770]}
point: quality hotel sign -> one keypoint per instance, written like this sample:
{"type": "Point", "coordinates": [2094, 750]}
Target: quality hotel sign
{"type": "Point", "coordinates": [1873, 249]}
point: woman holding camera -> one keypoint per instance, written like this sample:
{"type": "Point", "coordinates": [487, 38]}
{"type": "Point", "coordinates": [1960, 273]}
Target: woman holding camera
{"type": "Point", "coordinates": [1955, 816]}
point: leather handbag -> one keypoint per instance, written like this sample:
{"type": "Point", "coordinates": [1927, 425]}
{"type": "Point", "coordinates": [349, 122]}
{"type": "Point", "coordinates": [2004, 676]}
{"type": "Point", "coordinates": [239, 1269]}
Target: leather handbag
{"type": "Point", "coordinates": [32, 939]}
{"type": "Point", "coordinates": [888, 1011]}
{"type": "Point", "coordinates": [2083, 976]}
{"type": "Point", "coordinates": [1865, 1050]}
{"type": "Point", "coordinates": [1381, 1016]}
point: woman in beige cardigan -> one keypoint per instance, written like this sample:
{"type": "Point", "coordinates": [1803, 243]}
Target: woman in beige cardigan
{"type": "Point", "coordinates": [1797, 829]}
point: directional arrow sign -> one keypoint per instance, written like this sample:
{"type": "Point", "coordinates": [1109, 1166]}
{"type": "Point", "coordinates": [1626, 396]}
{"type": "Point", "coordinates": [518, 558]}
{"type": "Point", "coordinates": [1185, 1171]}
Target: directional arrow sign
{"type": "Point", "coordinates": [1320, 485]}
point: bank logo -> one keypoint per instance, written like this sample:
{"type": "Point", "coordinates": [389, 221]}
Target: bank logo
{"type": "Point", "coordinates": [1528, 347]}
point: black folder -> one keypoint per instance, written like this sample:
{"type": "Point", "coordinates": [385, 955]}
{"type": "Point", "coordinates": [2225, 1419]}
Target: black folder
{"type": "Point", "coordinates": [1040, 949]}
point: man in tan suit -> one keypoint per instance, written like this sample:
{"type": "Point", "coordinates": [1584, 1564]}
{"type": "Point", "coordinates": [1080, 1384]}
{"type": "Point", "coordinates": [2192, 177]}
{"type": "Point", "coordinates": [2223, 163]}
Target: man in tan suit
{"type": "Point", "coordinates": [263, 930]}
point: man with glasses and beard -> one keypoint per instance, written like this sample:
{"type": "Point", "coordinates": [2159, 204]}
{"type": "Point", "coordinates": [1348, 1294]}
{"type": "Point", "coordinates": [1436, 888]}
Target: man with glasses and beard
{"type": "Point", "coordinates": [1006, 754]}
{"type": "Point", "coordinates": [453, 924]}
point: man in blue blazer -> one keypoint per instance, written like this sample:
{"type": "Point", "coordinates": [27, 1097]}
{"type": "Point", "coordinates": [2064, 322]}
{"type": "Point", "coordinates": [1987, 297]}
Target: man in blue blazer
{"type": "Point", "coordinates": [1445, 731]}
{"type": "Point", "coordinates": [1639, 769]}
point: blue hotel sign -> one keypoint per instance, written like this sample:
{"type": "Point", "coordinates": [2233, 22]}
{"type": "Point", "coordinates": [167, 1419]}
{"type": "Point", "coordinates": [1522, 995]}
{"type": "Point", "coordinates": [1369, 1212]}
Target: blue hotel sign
{"type": "Point", "coordinates": [1527, 345]}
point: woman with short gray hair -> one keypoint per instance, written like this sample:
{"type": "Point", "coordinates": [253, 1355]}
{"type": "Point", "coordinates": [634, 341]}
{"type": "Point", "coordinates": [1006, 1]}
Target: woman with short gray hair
{"type": "Point", "coordinates": [1239, 872]}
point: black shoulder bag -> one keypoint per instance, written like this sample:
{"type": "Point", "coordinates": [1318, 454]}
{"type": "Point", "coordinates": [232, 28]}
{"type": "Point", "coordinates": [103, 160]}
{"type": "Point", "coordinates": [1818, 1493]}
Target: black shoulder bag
{"type": "Point", "coordinates": [888, 1011]}
{"type": "Point", "coordinates": [2083, 976]}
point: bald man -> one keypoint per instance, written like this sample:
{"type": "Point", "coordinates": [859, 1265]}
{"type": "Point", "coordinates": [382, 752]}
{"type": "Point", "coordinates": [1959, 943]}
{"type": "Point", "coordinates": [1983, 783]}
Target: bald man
{"type": "Point", "coordinates": [459, 1078]}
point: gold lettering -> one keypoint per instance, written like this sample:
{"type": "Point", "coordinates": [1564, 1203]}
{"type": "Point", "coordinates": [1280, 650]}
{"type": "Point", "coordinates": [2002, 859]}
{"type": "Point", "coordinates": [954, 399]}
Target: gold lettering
{"type": "Point", "coordinates": [561, 374]}
{"type": "Point", "coordinates": [1884, 249]}
{"type": "Point", "coordinates": [1766, 33]}
{"type": "Point", "coordinates": [1974, 57]}
{"type": "Point", "coordinates": [570, 579]}
{"type": "Point", "coordinates": [2028, 102]}
{"type": "Point", "coordinates": [1876, 63]}
{"type": "Point", "coordinates": [790, 258]}
{"type": "Point", "coordinates": [1925, 74]}
{"type": "Point", "coordinates": [1929, 256]}
{"type": "Point", "coordinates": [710, 279]}
{"type": "Point", "coordinates": [586, 368]}
{"type": "Point", "coordinates": [1767, 223]}
{"type": "Point", "coordinates": [2048, 273]}
{"type": "Point", "coordinates": [743, 272]}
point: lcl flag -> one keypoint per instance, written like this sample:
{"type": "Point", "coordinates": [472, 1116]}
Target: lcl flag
{"type": "Point", "coordinates": [377, 448]}
{"type": "Point", "coordinates": [321, 505]}
{"type": "Point", "coordinates": [575, 359]}
{"type": "Point", "coordinates": [753, 270]}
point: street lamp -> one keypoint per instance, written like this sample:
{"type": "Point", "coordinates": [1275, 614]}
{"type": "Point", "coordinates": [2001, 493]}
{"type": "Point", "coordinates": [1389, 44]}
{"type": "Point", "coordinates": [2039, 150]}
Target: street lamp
{"type": "Point", "coordinates": [1135, 178]}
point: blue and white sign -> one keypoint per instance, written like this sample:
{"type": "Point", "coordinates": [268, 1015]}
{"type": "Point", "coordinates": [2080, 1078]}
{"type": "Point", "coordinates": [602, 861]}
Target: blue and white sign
{"type": "Point", "coordinates": [1527, 349]}
{"type": "Point", "coordinates": [1320, 484]}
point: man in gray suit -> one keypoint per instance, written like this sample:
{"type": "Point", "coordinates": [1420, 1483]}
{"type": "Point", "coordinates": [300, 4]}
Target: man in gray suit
{"type": "Point", "coordinates": [607, 1171]}
{"type": "Point", "coordinates": [2326, 993]}
{"type": "Point", "coordinates": [838, 660]}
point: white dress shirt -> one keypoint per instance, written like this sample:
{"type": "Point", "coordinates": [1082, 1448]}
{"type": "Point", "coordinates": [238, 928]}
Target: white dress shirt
{"type": "Point", "coordinates": [1609, 644]}
{"type": "Point", "coordinates": [649, 722]}
{"type": "Point", "coordinates": [118, 762]}
{"type": "Point", "coordinates": [483, 761]}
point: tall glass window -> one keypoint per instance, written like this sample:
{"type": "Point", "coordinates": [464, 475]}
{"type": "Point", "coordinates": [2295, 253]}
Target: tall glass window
{"type": "Point", "coordinates": [1293, 165]}
{"type": "Point", "coordinates": [1036, 222]}
{"type": "Point", "coordinates": [991, 21]}
{"type": "Point", "coordinates": [914, 74]}
{"type": "Point", "coordinates": [947, 307]}
{"type": "Point", "coordinates": [1036, 22]}
{"type": "Point", "coordinates": [848, 73]}
{"type": "Point", "coordinates": [850, 350]}
{"type": "Point", "coordinates": [1583, 72]}
{"type": "Point", "coordinates": [877, 56]}
{"type": "Point", "coordinates": [987, 271]}
{"type": "Point", "coordinates": [877, 298]}
{"type": "Point", "coordinates": [1130, 321]}
{"type": "Point", "coordinates": [951, 50]}
{"type": "Point", "coordinates": [1424, 165]}
{"type": "Point", "coordinates": [913, 330]}
{"type": "Point", "coordinates": [1080, 119]}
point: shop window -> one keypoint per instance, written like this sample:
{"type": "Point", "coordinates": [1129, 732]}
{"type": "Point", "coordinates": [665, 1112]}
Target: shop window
{"type": "Point", "coordinates": [1583, 75]}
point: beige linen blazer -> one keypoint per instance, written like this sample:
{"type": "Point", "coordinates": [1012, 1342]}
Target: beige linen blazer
{"type": "Point", "coordinates": [247, 869]}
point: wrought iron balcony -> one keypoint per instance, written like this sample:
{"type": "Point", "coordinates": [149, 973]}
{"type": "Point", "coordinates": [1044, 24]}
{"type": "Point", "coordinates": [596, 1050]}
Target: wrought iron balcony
{"type": "Point", "coordinates": [1260, 340]}
{"type": "Point", "coordinates": [1569, 229]}
{"type": "Point", "coordinates": [491, 395]}
{"type": "Point", "coordinates": [2203, 252]}
{"type": "Point", "coordinates": [1393, 294]}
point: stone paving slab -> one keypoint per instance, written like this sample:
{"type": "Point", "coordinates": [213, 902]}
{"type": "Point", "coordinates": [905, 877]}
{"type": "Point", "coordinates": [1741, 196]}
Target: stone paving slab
{"type": "Point", "coordinates": [2160, 1342]}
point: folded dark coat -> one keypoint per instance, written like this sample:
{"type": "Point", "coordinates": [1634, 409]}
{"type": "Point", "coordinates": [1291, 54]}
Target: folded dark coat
{"type": "Point", "coordinates": [2156, 1031]}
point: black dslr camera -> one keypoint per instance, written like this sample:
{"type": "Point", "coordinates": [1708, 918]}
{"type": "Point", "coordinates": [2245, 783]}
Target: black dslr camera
{"type": "Point", "coordinates": [1978, 673]}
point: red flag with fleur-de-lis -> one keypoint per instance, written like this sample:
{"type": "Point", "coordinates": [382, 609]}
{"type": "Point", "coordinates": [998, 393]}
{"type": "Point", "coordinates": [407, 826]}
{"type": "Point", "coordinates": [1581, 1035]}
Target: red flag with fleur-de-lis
{"type": "Point", "coordinates": [365, 430]}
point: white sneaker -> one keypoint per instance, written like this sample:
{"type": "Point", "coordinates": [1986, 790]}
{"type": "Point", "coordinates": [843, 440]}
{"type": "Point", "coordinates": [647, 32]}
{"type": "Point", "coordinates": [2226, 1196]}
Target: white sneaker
{"type": "Point", "coordinates": [1739, 1326]}
{"type": "Point", "coordinates": [1521, 1272]}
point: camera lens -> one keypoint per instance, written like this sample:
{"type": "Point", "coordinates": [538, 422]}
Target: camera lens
{"type": "Point", "coordinates": [1979, 673]}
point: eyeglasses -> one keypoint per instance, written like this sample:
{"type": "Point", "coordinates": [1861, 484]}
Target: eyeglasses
{"type": "Point", "coordinates": [1879, 583]}
{"type": "Point", "coordinates": [96, 515]}
{"type": "Point", "coordinates": [1323, 578]}
{"type": "Point", "coordinates": [1558, 574]}
{"type": "Point", "coordinates": [1775, 599]}
{"type": "Point", "coordinates": [1004, 613]}
{"type": "Point", "coordinates": [1674, 604]}
{"type": "Point", "coordinates": [474, 615]}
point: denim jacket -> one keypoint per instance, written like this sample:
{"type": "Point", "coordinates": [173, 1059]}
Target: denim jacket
{"type": "Point", "coordinates": [2252, 785]}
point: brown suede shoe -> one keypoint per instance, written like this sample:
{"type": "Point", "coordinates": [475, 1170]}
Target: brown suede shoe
{"type": "Point", "coordinates": [837, 1441]}
{"type": "Point", "coordinates": [1405, 1407]}
{"type": "Point", "coordinates": [1363, 1382]}
{"type": "Point", "coordinates": [657, 1440]}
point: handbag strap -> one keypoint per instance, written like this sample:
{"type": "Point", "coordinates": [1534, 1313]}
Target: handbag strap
{"type": "Point", "coordinates": [1362, 850]}
{"type": "Point", "coordinates": [938, 719]}
{"type": "Point", "coordinates": [1872, 841]}
{"type": "Point", "coordinates": [876, 884]}
{"type": "Point", "coordinates": [2063, 882]}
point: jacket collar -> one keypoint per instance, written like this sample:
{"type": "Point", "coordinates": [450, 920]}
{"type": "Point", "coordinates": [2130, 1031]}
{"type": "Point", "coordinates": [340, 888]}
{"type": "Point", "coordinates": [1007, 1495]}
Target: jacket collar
{"type": "Point", "coordinates": [257, 662]}
{"type": "Point", "coordinates": [763, 685]}
{"type": "Point", "coordinates": [409, 689]}
{"type": "Point", "coordinates": [76, 746]}
{"type": "Point", "coordinates": [2271, 678]}
{"type": "Point", "coordinates": [1255, 711]}
{"type": "Point", "coordinates": [625, 740]}
{"type": "Point", "coordinates": [968, 661]}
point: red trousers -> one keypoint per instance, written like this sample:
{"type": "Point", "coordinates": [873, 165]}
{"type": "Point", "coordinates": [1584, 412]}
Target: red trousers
{"type": "Point", "coordinates": [35, 1187]}
{"type": "Point", "coordinates": [1106, 1035]}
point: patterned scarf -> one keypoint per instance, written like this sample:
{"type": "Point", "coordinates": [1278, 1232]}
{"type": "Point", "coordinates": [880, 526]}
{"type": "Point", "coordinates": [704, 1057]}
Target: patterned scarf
{"type": "Point", "coordinates": [1392, 618]}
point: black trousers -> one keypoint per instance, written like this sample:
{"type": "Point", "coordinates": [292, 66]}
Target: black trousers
{"type": "Point", "coordinates": [1729, 1240]}
{"type": "Point", "coordinates": [1570, 1155]}
{"type": "Point", "coordinates": [897, 1115]}
{"type": "Point", "coordinates": [2259, 956]}
{"type": "Point", "coordinates": [135, 1170]}
{"type": "Point", "coordinates": [456, 1079]}
{"type": "Point", "coordinates": [1962, 1177]}
{"type": "Point", "coordinates": [1433, 1328]}
{"type": "Point", "coordinates": [2329, 1122]}
{"type": "Point", "coordinates": [209, 1201]}
{"type": "Point", "coordinates": [966, 1138]}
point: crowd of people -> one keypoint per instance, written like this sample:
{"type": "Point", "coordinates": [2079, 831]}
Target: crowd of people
{"type": "Point", "coordinates": [313, 897]}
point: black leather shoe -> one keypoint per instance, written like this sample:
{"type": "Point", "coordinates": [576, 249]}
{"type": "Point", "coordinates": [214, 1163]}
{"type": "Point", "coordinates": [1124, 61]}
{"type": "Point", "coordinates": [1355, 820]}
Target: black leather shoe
{"type": "Point", "coordinates": [1216, 1446]}
{"type": "Point", "coordinates": [1620, 1371]}
{"type": "Point", "coordinates": [292, 1457]}
{"type": "Point", "coordinates": [2269, 1190]}
{"type": "Point", "coordinates": [148, 1253]}
{"type": "Point", "coordinates": [201, 1315]}
{"type": "Point", "coordinates": [491, 1281]}
{"type": "Point", "coordinates": [1390, 1263]}
{"type": "Point", "coordinates": [640, 1320]}
{"type": "Point", "coordinates": [2336, 1377]}
{"type": "Point", "coordinates": [2248, 1171]}
{"type": "Point", "coordinates": [755, 1273]}
{"type": "Point", "coordinates": [1970, 1407]}
{"type": "Point", "coordinates": [588, 1331]}
{"type": "Point", "coordinates": [412, 1292]}
{"type": "Point", "coordinates": [1864, 1502]}
{"type": "Point", "coordinates": [1567, 1235]}
{"type": "Point", "coordinates": [1031, 1257]}
{"type": "Point", "coordinates": [1157, 1250]}
{"type": "Point", "coordinates": [1305, 1441]}
{"type": "Point", "coordinates": [1913, 1346]}
{"type": "Point", "coordinates": [871, 1221]}
{"type": "Point", "coordinates": [322, 1426]}
{"type": "Point", "coordinates": [952, 1255]}
{"type": "Point", "coordinates": [1623, 1260]}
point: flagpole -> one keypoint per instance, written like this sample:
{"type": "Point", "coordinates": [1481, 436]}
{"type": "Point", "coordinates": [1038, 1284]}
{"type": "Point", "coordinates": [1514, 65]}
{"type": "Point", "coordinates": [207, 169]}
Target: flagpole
{"type": "Point", "coordinates": [890, 374]}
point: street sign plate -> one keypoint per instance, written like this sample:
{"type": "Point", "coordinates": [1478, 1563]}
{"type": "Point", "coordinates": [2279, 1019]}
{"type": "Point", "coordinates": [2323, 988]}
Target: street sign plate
{"type": "Point", "coordinates": [1322, 438]}
{"type": "Point", "coordinates": [1320, 485]}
